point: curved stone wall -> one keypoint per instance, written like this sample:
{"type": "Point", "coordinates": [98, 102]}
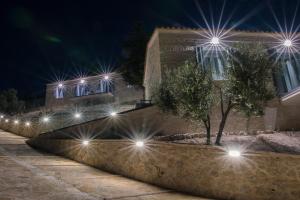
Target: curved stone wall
{"type": "Point", "coordinates": [60, 120]}
{"type": "Point", "coordinates": [21, 130]}
{"type": "Point", "coordinates": [151, 120]}
{"type": "Point", "coordinates": [199, 170]}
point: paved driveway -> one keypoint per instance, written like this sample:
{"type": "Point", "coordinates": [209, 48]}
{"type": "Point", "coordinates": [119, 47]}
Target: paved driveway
{"type": "Point", "coordinates": [28, 174]}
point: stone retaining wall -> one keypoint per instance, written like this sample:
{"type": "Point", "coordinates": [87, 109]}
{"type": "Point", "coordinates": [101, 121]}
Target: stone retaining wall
{"type": "Point", "coordinates": [59, 119]}
{"type": "Point", "coordinates": [151, 120]}
{"type": "Point", "coordinates": [21, 130]}
{"type": "Point", "coordinates": [199, 170]}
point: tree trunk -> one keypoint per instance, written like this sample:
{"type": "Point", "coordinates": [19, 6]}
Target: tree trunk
{"type": "Point", "coordinates": [222, 124]}
{"type": "Point", "coordinates": [220, 132]}
{"type": "Point", "coordinates": [207, 126]}
{"type": "Point", "coordinates": [248, 124]}
{"type": "Point", "coordinates": [208, 141]}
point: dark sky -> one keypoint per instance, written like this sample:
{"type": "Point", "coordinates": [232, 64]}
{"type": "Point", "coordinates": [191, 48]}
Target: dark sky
{"type": "Point", "coordinates": [42, 40]}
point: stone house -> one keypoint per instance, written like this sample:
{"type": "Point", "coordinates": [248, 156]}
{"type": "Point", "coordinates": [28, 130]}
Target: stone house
{"type": "Point", "coordinates": [171, 47]}
{"type": "Point", "coordinates": [92, 90]}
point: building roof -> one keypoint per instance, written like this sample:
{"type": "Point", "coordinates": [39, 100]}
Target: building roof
{"type": "Point", "coordinates": [205, 30]}
{"type": "Point", "coordinates": [245, 33]}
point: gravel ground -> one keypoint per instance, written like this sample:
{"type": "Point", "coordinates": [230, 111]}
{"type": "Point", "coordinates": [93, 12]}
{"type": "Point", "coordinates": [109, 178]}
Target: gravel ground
{"type": "Point", "coordinates": [276, 142]}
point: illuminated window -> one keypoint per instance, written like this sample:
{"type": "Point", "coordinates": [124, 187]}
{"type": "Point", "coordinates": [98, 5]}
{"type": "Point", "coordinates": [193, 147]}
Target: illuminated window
{"type": "Point", "coordinates": [288, 78]}
{"type": "Point", "coordinates": [82, 89]}
{"type": "Point", "coordinates": [104, 86]}
{"type": "Point", "coordinates": [214, 60]}
{"type": "Point", "coordinates": [59, 92]}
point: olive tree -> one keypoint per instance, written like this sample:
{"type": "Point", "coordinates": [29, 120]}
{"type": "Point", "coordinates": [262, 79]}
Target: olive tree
{"type": "Point", "coordinates": [248, 84]}
{"type": "Point", "coordinates": [187, 92]}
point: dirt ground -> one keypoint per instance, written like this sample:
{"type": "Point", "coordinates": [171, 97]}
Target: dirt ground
{"type": "Point", "coordinates": [280, 142]}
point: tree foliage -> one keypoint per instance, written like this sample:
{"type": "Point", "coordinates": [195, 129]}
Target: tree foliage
{"type": "Point", "coordinates": [133, 55]}
{"type": "Point", "coordinates": [9, 102]}
{"type": "Point", "coordinates": [250, 77]}
{"type": "Point", "coordinates": [248, 87]}
{"type": "Point", "coordinates": [187, 92]}
{"type": "Point", "coordinates": [165, 96]}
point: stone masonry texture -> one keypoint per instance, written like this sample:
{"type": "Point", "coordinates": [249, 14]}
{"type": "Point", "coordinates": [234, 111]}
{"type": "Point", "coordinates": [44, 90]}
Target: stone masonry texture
{"type": "Point", "coordinates": [199, 170]}
{"type": "Point", "coordinates": [29, 174]}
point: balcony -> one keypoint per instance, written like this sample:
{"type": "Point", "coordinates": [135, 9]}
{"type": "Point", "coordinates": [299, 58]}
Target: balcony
{"type": "Point", "coordinates": [94, 98]}
{"type": "Point", "coordinates": [292, 98]}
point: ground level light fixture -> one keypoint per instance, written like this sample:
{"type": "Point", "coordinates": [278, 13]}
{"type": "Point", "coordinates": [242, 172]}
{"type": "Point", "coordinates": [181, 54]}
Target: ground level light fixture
{"type": "Point", "coordinates": [113, 114]}
{"type": "Point", "coordinates": [46, 119]}
{"type": "Point", "coordinates": [77, 115]}
{"type": "Point", "coordinates": [139, 143]}
{"type": "Point", "coordinates": [234, 153]}
{"type": "Point", "coordinates": [85, 142]}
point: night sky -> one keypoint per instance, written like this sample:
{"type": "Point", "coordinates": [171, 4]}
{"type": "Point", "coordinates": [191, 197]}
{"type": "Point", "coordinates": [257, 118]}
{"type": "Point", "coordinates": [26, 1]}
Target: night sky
{"type": "Point", "coordinates": [42, 40]}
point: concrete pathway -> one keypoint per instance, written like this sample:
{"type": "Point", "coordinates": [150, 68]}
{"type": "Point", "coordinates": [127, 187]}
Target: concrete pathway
{"type": "Point", "coordinates": [28, 174]}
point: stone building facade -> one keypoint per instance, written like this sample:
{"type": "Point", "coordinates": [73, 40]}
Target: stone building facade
{"type": "Point", "coordinates": [171, 47]}
{"type": "Point", "coordinates": [92, 90]}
